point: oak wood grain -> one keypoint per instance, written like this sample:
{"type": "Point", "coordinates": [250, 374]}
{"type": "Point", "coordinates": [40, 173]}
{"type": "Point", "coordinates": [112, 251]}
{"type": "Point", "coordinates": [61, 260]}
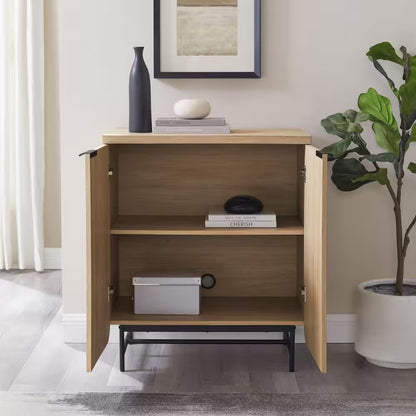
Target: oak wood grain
{"type": "Point", "coordinates": [259, 136]}
{"type": "Point", "coordinates": [194, 225]}
{"type": "Point", "coordinates": [243, 265]}
{"type": "Point", "coordinates": [219, 311]}
{"type": "Point", "coordinates": [98, 253]}
{"type": "Point", "coordinates": [188, 180]}
{"type": "Point", "coordinates": [315, 255]}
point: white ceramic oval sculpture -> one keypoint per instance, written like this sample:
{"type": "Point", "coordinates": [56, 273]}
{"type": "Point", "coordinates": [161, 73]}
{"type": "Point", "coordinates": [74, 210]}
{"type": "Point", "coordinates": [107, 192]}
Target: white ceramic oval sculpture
{"type": "Point", "coordinates": [192, 108]}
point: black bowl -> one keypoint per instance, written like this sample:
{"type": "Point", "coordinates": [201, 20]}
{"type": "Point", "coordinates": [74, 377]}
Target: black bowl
{"type": "Point", "coordinates": [243, 204]}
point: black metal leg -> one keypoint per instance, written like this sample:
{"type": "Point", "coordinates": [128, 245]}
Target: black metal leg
{"type": "Point", "coordinates": [285, 338]}
{"type": "Point", "coordinates": [291, 346]}
{"type": "Point", "coordinates": [122, 348]}
{"type": "Point", "coordinates": [287, 330]}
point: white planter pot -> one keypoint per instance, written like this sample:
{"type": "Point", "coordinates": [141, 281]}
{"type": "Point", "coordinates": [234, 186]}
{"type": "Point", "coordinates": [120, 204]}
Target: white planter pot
{"type": "Point", "coordinates": [386, 327]}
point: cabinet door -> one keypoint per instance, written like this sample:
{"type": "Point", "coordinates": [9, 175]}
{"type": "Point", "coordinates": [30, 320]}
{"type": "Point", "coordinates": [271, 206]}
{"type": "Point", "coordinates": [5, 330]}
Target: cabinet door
{"type": "Point", "coordinates": [98, 253]}
{"type": "Point", "coordinates": [315, 218]}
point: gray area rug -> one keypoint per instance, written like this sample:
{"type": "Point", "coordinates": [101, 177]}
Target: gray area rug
{"type": "Point", "coordinates": [148, 404]}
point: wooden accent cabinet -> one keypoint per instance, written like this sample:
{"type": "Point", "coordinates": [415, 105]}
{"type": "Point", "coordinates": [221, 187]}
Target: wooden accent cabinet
{"type": "Point", "coordinates": [147, 197]}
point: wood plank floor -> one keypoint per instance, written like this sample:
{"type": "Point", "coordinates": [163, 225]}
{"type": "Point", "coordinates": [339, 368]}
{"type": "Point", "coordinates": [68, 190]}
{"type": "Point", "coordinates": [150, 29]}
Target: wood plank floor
{"type": "Point", "coordinates": [34, 358]}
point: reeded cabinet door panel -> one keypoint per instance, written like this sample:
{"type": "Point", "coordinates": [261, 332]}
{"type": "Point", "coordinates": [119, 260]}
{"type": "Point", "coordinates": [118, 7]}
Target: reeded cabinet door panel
{"type": "Point", "coordinates": [98, 253]}
{"type": "Point", "coordinates": [315, 246]}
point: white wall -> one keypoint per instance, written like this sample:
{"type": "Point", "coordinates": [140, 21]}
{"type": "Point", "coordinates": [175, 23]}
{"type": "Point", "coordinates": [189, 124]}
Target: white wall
{"type": "Point", "coordinates": [314, 64]}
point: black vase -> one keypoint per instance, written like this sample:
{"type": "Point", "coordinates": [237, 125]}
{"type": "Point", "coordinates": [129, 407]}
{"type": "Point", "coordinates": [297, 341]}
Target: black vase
{"type": "Point", "coordinates": [140, 116]}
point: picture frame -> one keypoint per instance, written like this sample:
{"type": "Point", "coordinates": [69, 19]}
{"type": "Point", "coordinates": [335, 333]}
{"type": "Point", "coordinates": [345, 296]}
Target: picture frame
{"type": "Point", "coordinates": [185, 51]}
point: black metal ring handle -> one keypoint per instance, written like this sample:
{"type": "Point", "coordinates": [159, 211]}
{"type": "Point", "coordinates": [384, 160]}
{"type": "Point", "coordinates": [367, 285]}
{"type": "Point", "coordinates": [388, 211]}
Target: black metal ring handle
{"type": "Point", "coordinates": [208, 276]}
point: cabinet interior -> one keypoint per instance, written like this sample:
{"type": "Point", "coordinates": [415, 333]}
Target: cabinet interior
{"type": "Point", "coordinates": [159, 196]}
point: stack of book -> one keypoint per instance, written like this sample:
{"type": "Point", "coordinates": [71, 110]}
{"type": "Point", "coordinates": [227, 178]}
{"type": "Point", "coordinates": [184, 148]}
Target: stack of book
{"type": "Point", "coordinates": [172, 125]}
{"type": "Point", "coordinates": [218, 218]}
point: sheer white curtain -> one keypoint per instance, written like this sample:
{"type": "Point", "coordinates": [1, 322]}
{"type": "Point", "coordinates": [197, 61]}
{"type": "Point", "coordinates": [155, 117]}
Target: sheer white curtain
{"type": "Point", "coordinates": [21, 134]}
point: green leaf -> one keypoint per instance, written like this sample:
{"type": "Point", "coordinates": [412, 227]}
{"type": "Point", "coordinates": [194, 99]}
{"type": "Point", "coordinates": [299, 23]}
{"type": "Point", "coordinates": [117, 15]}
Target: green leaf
{"type": "Point", "coordinates": [339, 125]}
{"type": "Point", "coordinates": [407, 121]}
{"type": "Point", "coordinates": [386, 52]}
{"type": "Point", "coordinates": [408, 96]}
{"type": "Point", "coordinates": [412, 75]}
{"type": "Point", "coordinates": [359, 150]}
{"type": "Point", "coordinates": [408, 90]}
{"type": "Point", "coordinates": [338, 149]}
{"type": "Point", "coordinates": [345, 171]}
{"type": "Point", "coordinates": [355, 128]}
{"type": "Point", "coordinates": [382, 71]}
{"type": "Point", "coordinates": [361, 144]}
{"type": "Point", "coordinates": [350, 115]}
{"type": "Point", "coordinates": [362, 117]}
{"type": "Point", "coordinates": [336, 125]}
{"type": "Point", "coordinates": [355, 117]}
{"type": "Point", "coordinates": [382, 157]}
{"type": "Point", "coordinates": [378, 107]}
{"type": "Point", "coordinates": [381, 176]}
{"type": "Point", "coordinates": [412, 137]}
{"type": "Point", "coordinates": [413, 134]}
{"type": "Point", "coordinates": [387, 137]}
{"type": "Point", "coordinates": [409, 64]}
{"type": "Point", "coordinates": [412, 167]}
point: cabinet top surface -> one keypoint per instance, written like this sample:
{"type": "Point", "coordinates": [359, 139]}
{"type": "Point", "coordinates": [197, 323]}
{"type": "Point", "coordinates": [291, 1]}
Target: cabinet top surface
{"type": "Point", "coordinates": [258, 136]}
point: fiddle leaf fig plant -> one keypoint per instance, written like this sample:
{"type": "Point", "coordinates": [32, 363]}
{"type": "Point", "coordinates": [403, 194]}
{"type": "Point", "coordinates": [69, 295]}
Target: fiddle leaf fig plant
{"type": "Point", "coordinates": [355, 166]}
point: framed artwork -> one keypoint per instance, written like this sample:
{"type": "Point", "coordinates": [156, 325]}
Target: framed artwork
{"type": "Point", "coordinates": [207, 38]}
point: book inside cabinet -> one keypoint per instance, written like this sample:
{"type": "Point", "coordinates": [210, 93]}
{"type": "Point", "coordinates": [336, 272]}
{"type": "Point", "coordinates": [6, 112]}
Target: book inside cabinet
{"type": "Point", "coordinates": [147, 197]}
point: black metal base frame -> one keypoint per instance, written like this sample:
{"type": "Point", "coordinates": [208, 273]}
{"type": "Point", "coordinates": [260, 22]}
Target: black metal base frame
{"type": "Point", "coordinates": [287, 330]}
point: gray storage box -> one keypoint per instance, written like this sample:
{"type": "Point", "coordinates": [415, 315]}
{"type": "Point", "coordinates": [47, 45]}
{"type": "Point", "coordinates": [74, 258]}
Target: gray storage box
{"type": "Point", "coordinates": [166, 295]}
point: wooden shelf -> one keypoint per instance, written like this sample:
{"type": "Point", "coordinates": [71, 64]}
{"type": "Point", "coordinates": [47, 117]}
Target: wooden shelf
{"type": "Point", "coordinates": [195, 225]}
{"type": "Point", "coordinates": [261, 136]}
{"type": "Point", "coordinates": [219, 311]}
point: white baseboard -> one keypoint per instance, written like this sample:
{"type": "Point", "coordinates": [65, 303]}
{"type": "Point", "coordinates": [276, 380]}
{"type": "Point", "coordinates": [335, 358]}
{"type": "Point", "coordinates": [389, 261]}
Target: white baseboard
{"type": "Point", "coordinates": [52, 258]}
{"type": "Point", "coordinates": [75, 328]}
{"type": "Point", "coordinates": [340, 329]}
